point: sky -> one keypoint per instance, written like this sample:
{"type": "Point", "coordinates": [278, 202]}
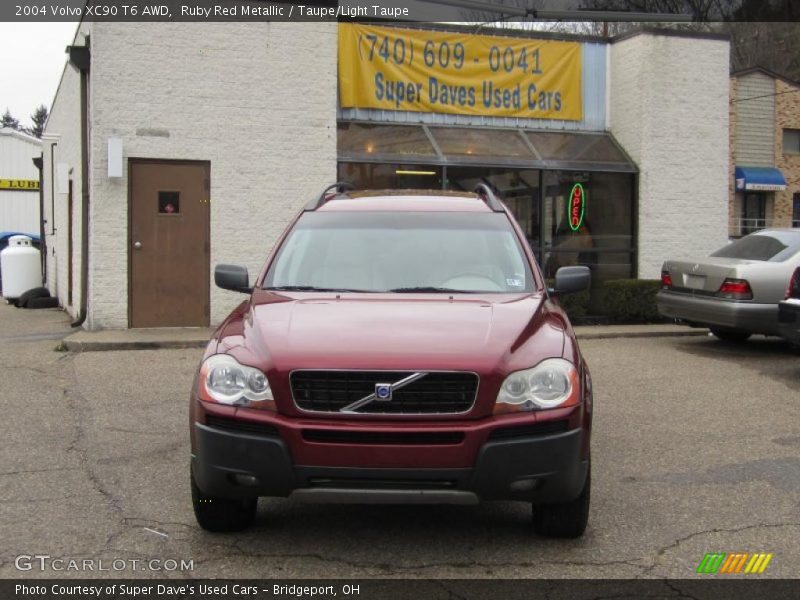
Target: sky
{"type": "Point", "coordinates": [31, 61]}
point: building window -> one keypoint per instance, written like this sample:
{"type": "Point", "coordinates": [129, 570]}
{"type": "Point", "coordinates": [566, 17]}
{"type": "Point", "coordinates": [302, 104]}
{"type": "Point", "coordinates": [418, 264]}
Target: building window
{"type": "Point", "coordinates": [169, 203]}
{"type": "Point", "coordinates": [604, 239]}
{"type": "Point", "coordinates": [791, 141]}
{"type": "Point", "coordinates": [754, 213]}
{"type": "Point", "coordinates": [796, 210]}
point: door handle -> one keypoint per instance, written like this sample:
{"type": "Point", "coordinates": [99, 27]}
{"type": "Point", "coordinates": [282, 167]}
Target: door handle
{"type": "Point", "coordinates": [137, 245]}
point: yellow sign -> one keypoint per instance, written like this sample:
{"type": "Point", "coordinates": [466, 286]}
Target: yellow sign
{"type": "Point", "coordinates": [25, 185]}
{"type": "Point", "coordinates": [458, 73]}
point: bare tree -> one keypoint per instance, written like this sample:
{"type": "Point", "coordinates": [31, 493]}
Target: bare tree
{"type": "Point", "coordinates": [774, 46]}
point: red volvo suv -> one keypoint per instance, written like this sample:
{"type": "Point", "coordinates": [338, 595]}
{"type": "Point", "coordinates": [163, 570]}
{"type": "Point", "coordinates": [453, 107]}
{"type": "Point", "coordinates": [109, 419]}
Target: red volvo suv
{"type": "Point", "coordinates": [397, 347]}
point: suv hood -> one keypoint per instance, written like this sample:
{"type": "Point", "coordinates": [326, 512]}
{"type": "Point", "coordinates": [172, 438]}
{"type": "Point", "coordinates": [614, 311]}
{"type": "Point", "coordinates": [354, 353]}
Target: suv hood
{"type": "Point", "coordinates": [382, 332]}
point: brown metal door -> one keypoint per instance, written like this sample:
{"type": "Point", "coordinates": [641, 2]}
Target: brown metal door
{"type": "Point", "coordinates": [169, 244]}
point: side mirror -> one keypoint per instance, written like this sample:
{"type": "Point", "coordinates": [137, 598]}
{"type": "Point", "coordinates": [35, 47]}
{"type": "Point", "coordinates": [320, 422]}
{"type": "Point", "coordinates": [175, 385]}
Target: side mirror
{"type": "Point", "coordinates": [232, 277]}
{"type": "Point", "coordinates": [572, 279]}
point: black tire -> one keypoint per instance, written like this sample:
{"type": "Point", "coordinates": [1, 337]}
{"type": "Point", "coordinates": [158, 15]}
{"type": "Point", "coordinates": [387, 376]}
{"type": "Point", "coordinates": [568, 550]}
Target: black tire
{"type": "Point", "coordinates": [48, 302]}
{"type": "Point", "coordinates": [25, 297]}
{"type": "Point", "coordinates": [564, 520]}
{"type": "Point", "coordinates": [222, 514]}
{"type": "Point", "coordinates": [731, 335]}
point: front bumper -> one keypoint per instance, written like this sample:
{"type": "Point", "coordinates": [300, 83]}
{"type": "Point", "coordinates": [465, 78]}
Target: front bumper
{"type": "Point", "coordinates": [544, 468]}
{"type": "Point", "coordinates": [718, 312]}
{"type": "Point", "coordinates": [789, 320]}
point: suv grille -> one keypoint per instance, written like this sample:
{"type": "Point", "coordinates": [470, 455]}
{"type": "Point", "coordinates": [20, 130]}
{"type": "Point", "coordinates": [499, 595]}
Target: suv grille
{"type": "Point", "coordinates": [432, 393]}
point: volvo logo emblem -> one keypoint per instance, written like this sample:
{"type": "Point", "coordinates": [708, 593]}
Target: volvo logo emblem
{"type": "Point", "coordinates": [383, 392]}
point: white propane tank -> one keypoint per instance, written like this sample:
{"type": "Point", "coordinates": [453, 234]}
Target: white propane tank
{"type": "Point", "coordinates": [20, 267]}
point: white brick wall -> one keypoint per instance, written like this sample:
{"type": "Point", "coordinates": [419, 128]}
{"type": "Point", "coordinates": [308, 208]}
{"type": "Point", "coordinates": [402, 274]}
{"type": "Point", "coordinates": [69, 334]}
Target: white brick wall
{"type": "Point", "coordinates": [64, 127]}
{"type": "Point", "coordinates": [258, 101]}
{"type": "Point", "coordinates": [668, 107]}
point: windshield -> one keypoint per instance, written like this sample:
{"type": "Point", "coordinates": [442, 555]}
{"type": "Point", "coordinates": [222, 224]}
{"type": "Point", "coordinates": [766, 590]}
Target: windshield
{"type": "Point", "coordinates": [401, 252]}
{"type": "Point", "coordinates": [773, 246]}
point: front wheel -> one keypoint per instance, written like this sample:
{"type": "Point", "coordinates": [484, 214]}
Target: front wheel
{"type": "Point", "coordinates": [731, 335]}
{"type": "Point", "coordinates": [564, 520]}
{"type": "Point", "coordinates": [222, 514]}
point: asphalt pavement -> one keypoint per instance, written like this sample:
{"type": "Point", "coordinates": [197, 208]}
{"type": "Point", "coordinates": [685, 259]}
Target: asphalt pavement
{"type": "Point", "coordinates": [696, 449]}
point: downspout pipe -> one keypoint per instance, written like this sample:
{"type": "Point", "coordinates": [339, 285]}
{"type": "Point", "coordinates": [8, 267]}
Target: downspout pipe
{"type": "Point", "coordinates": [39, 164]}
{"type": "Point", "coordinates": [80, 58]}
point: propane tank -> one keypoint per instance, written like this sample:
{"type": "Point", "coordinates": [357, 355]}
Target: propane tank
{"type": "Point", "coordinates": [20, 267]}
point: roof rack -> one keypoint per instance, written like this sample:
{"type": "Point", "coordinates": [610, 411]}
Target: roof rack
{"type": "Point", "coordinates": [486, 194]}
{"type": "Point", "coordinates": [340, 187]}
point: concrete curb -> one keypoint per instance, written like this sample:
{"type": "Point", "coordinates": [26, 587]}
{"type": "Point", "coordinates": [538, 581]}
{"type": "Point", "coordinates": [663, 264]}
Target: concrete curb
{"type": "Point", "coordinates": [92, 346]}
{"type": "Point", "coordinates": [138, 339]}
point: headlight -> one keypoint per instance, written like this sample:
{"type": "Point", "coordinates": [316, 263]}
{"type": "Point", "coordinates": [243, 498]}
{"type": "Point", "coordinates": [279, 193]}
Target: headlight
{"type": "Point", "coordinates": [553, 383]}
{"type": "Point", "coordinates": [224, 380]}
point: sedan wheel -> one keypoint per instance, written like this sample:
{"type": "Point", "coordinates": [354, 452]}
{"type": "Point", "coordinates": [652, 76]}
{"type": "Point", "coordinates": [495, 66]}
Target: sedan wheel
{"type": "Point", "coordinates": [731, 335]}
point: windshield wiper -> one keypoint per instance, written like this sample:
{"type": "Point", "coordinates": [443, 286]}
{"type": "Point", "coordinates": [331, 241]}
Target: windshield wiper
{"type": "Point", "coordinates": [311, 288]}
{"type": "Point", "coordinates": [429, 290]}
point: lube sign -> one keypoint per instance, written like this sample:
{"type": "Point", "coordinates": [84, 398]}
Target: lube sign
{"type": "Point", "coordinates": [22, 185]}
{"type": "Point", "coordinates": [457, 73]}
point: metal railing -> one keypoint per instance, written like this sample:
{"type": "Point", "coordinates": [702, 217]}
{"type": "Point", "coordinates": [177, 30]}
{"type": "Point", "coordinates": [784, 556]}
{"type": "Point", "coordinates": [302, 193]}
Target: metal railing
{"type": "Point", "coordinates": [744, 226]}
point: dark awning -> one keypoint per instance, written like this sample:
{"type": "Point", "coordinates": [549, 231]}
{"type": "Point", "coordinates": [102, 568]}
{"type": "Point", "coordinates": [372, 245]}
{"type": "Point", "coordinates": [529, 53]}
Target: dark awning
{"type": "Point", "coordinates": [764, 179]}
{"type": "Point", "coordinates": [491, 147]}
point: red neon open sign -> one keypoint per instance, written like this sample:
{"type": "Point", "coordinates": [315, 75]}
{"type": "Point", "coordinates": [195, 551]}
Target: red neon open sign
{"type": "Point", "coordinates": [576, 207]}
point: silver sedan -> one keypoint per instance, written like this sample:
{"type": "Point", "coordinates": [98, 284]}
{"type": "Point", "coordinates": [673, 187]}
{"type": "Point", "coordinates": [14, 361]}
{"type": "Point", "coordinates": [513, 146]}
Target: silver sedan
{"type": "Point", "coordinates": [735, 291]}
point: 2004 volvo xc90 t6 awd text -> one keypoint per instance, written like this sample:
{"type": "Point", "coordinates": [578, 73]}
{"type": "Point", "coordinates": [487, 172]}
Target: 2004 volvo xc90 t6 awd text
{"type": "Point", "coordinates": [396, 348]}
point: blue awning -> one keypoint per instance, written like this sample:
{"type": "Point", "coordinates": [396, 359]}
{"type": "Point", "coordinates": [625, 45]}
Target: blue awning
{"type": "Point", "coordinates": [759, 179]}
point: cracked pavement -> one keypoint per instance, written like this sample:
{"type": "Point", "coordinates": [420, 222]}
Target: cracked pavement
{"type": "Point", "coordinates": [696, 449]}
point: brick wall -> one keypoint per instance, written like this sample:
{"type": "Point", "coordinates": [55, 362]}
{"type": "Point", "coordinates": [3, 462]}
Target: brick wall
{"type": "Point", "coordinates": [256, 100]}
{"type": "Point", "coordinates": [787, 115]}
{"type": "Point", "coordinates": [668, 108]}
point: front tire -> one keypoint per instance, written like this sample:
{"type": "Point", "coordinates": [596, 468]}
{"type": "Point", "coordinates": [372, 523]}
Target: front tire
{"type": "Point", "coordinates": [564, 520]}
{"type": "Point", "coordinates": [222, 514]}
{"type": "Point", "coordinates": [731, 335]}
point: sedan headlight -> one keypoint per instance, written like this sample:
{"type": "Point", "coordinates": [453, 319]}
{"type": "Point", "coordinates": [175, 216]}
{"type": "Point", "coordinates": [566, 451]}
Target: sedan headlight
{"type": "Point", "coordinates": [226, 381]}
{"type": "Point", "coordinates": [553, 383]}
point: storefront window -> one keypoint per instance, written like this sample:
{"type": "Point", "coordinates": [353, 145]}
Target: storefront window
{"type": "Point", "coordinates": [384, 142]}
{"type": "Point", "coordinates": [602, 238]}
{"type": "Point", "coordinates": [481, 145]}
{"type": "Point", "coordinates": [570, 147]}
{"type": "Point", "coordinates": [377, 176]}
{"type": "Point", "coordinates": [599, 234]}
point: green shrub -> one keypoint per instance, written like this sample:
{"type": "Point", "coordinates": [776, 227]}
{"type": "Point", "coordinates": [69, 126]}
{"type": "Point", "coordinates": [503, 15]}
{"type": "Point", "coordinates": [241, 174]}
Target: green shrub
{"type": "Point", "coordinates": [575, 305]}
{"type": "Point", "coordinates": [630, 300]}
